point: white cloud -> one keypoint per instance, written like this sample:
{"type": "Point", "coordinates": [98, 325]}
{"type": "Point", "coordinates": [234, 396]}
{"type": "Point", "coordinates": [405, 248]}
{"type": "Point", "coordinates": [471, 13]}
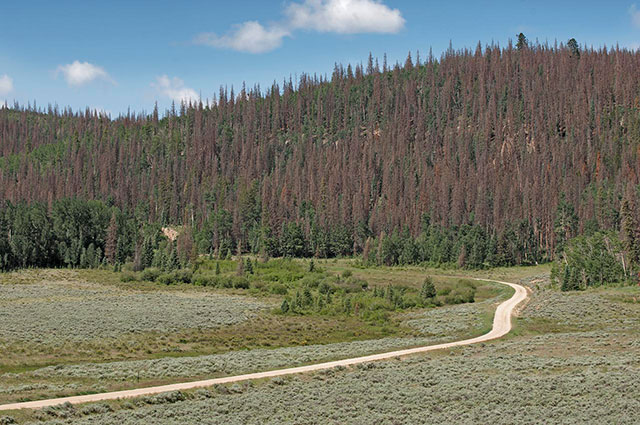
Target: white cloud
{"type": "Point", "coordinates": [175, 89]}
{"type": "Point", "coordinates": [81, 73]}
{"type": "Point", "coordinates": [635, 15]}
{"type": "Point", "coordinates": [345, 16]}
{"type": "Point", "coordinates": [6, 85]}
{"type": "Point", "coordinates": [249, 37]}
{"type": "Point", "coordinates": [337, 16]}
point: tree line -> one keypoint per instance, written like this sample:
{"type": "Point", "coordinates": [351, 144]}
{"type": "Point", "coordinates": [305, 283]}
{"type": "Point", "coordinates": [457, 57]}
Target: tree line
{"type": "Point", "coordinates": [71, 233]}
{"type": "Point", "coordinates": [81, 233]}
{"type": "Point", "coordinates": [600, 257]}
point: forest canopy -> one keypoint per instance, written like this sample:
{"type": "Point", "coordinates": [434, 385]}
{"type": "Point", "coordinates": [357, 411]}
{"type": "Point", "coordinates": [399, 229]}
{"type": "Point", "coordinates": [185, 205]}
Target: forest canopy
{"type": "Point", "coordinates": [486, 156]}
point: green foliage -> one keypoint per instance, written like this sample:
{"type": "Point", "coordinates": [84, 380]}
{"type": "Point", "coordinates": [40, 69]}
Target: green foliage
{"type": "Point", "coordinates": [248, 267]}
{"type": "Point", "coordinates": [428, 290]}
{"type": "Point", "coordinates": [522, 42]}
{"type": "Point", "coordinates": [85, 234]}
{"type": "Point", "coordinates": [171, 261]}
{"type": "Point", "coordinates": [316, 292]}
{"type": "Point", "coordinates": [391, 249]}
{"type": "Point", "coordinates": [593, 260]}
{"type": "Point", "coordinates": [284, 307]}
{"type": "Point", "coordinates": [215, 234]}
{"type": "Point", "coordinates": [292, 241]}
{"type": "Point", "coordinates": [573, 47]}
{"type": "Point", "coordinates": [176, 277]}
{"type": "Point", "coordinates": [72, 233]}
{"type": "Point", "coordinates": [76, 225]}
{"type": "Point", "coordinates": [128, 277]}
{"type": "Point", "coordinates": [150, 274]}
{"type": "Point", "coordinates": [565, 224]}
{"type": "Point", "coordinates": [570, 279]}
{"type": "Point", "coordinates": [630, 230]}
{"type": "Point", "coordinates": [461, 295]}
{"type": "Point", "coordinates": [467, 246]}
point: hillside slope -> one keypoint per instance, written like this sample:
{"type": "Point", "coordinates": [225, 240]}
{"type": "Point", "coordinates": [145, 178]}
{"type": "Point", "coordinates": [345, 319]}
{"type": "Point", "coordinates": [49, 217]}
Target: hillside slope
{"type": "Point", "coordinates": [490, 137]}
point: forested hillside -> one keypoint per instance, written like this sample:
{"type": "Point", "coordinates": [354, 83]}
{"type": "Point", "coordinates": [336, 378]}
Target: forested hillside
{"type": "Point", "coordinates": [486, 156]}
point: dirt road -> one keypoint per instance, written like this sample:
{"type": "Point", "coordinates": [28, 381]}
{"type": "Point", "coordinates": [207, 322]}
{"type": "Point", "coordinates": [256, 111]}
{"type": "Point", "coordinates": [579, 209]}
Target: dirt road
{"type": "Point", "coordinates": [501, 326]}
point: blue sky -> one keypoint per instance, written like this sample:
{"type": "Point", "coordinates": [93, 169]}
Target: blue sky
{"type": "Point", "coordinates": [128, 54]}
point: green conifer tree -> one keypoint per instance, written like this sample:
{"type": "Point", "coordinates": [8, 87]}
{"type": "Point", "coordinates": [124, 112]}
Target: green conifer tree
{"type": "Point", "coordinates": [428, 290]}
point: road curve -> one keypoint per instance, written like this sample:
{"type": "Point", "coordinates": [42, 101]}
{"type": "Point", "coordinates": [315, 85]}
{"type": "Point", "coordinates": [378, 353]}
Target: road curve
{"type": "Point", "coordinates": [501, 327]}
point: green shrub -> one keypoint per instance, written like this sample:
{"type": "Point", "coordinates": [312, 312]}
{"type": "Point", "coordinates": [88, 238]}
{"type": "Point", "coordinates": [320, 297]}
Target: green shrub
{"type": "Point", "coordinates": [127, 267]}
{"type": "Point", "coordinates": [284, 307]}
{"type": "Point", "coordinates": [206, 280]}
{"type": "Point", "coordinates": [283, 276]}
{"type": "Point", "coordinates": [226, 282]}
{"type": "Point", "coordinates": [182, 276]}
{"type": "Point", "coordinates": [213, 280]}
{"type": "Point", "coordinates": [378, 304]}
{"type": "Point", "coordinates": [175, 277]}
{"type": "Point", "coordinates": [128, 276]}
{"type": "Point", "coordinates": [347, 274]}
{"type": "Point", "coordinates": [240, 282]}
{"type": "Point", "coordinates": [412, 301]}
{"type": "Point", "coordinates": [444, 291]}
{"type": "Point", "coordinates": [311, 281]}
{"type": "Point", "coordinates": [281, 264]}
{"type": "Point", "coordinates": [378, 315]}
{"type": "Point", "coordinates": [259, 285]}
{"type": "Point", "coordinates": [165, 279]}
{"type": "Point", "coordinates": [351, 286]}
{"type": "Point", "coordinates": [428, 290]}
{"type": "Point", "coordinates": [358, 283]}
{"type": "Point", "coordinates": [277, 288]}
{"type": "Point", "coordinates": [150, 274]}
{"type": "Point", "coordinates": [325, 288]}
{"type": "Point", "coordinates": [461, 295]}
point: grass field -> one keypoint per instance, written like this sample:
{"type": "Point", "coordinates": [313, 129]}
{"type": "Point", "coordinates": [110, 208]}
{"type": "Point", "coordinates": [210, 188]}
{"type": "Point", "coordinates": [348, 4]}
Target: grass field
{"type": "Point", "coordinates": [573, 358]}
{"type": "Point", "coordinates": [69, 332]}
{"type": "Point", "coordinates": [60, 316]}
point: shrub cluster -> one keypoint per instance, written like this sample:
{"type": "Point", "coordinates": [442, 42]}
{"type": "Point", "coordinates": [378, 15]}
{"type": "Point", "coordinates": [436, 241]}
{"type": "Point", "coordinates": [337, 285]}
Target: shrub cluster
{"type": "Point", "coordinates": [218, 281]}
{"type": "Point", "coordinates": [309, 290]}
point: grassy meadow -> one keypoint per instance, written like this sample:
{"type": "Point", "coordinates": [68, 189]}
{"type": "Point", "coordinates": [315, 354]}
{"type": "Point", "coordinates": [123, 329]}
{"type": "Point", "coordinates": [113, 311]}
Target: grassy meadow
{"type": "Point", "coordinates": [67, 332]}
{"type": "Point", "coordinates": [566, 351]}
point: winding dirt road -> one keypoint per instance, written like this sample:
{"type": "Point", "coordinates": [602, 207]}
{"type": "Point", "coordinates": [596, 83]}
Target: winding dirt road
{"type": "Point", "coordinates": [501, 327]}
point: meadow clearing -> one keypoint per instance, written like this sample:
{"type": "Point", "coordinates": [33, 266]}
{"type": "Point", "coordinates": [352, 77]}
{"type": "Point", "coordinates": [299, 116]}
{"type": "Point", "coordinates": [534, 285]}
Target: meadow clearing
{"type": "Point", "coordinates": [67, 332]}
